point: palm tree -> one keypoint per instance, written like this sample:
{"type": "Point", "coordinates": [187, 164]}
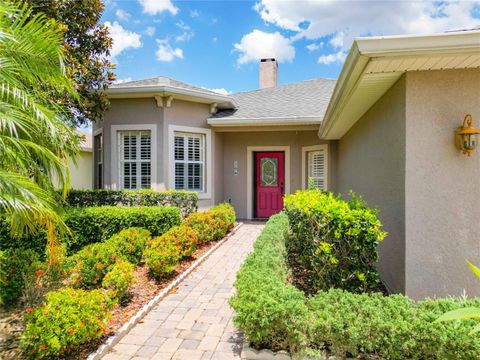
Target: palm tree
{"type": "Point", "coordinates": [35, 142]}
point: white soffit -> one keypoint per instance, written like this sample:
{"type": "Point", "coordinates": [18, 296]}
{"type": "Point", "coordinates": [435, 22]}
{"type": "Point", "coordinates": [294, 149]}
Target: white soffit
{"type": "Point", "coordinates": [375, 64]}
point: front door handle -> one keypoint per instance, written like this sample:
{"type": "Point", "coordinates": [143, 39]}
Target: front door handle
{"type": "Point", "coordinates": [281, 187]}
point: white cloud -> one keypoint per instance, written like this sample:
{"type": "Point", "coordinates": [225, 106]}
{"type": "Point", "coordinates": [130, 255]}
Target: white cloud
{"type": "Point", "coordinates": [331, 58]}
{"type": "Point", "coordinates": [150, 31]}
{"type": "Point", "coordinates": [337, 40]}
{"type": "Point", "coordinates": [259, 44]}
{"type": "Point", "coordinates": [222, 91]}
{"type": "Point", "coordinates": [122, 39]}
{"type": "Point", "coordinates": [154, 7]}
{"type": "Point", "coordinates": [122, 15]}
{"type": "Point", "coordinates": [314, 46]}
{"type": "Point", "coordinates": [120, 81]}
{"type": "Point", "coordinates": [345, 20]}
{"type": "Point", "coordinates": [194, 13]}
{"type": "Point", "coordinates": [187, 33]}
{"type": "Point", "coordinates": [166, 53]}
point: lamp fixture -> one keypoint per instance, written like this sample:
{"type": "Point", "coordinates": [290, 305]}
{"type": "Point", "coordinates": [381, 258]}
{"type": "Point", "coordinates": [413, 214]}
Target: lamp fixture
{"type": "Point", "coordinates": [467, 136]}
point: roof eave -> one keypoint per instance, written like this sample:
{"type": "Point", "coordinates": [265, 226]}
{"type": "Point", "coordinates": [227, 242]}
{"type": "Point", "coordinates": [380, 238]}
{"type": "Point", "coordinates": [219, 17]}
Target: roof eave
{"type": "Point", "coordinates": [165, 90]}
{"type": "Point", "coordinates": [265, 121]}
{"type": "Point", "coordinates": [365, 49]}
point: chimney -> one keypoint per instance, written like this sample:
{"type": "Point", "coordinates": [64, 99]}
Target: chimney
{"type": "Point", "coordinates": [268, 73]}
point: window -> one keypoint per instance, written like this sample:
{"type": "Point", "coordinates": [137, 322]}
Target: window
{"type": "Point", "coordinates": [98, 151]}
{"type": "Point", "coordinates": [135, 159]}
{"type": "Point", "coordinates": [189, 159]}
{"type": "Point", "coordinates": [316, 168]}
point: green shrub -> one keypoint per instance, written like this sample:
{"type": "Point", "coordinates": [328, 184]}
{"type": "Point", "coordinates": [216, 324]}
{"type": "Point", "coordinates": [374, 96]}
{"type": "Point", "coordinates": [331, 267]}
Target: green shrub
{"type": "Point", "coordinates": [36, 242]}
{"type": "Point", "coordinates": [15, 265]}
{"type": "Point", "coordinates": [186, 201]}
{"type": "Point", "coordinates": [96, 224]}
{"type": "Point", "coordinates": [212, 224]}
{"type": "Point", "coordinates": [130, 243]}
{"type": "Point", "coordinates": [276, 315]}
{"type": "Point", "coordinates": [204, 224]}
{"type": "Point", "coordinates": [90, 265]}
{"type": "Point", "coordinates": [332, 242]}
{"type": "Point", "coordinates": [161, 257]}
{"type": "Point", "coordinates": [119, 279]}
{"type": "Point", "coordinates": [67, 319]}
{"type": "Point", "coordinates": [271, 314]}
{"type": "Point", "coordinates": [393, 327]}
{"type": "Point", "coordinates": [183, 237]}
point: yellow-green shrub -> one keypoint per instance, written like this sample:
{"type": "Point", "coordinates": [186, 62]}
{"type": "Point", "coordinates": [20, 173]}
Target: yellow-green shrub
{"type": "Point", "coordinates": [119, 279]}
{"type": "Point", "coordinates": [332, 242]}
{"type": "Point", "coordinates": [67, 319]}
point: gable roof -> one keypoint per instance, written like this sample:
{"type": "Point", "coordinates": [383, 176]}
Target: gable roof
{"type": "Point", "coordinates": [165, 86]}
{"type": "Point", "coordinates": [302, 103]}
{"type": "Point", "coordinates": [374, 64]}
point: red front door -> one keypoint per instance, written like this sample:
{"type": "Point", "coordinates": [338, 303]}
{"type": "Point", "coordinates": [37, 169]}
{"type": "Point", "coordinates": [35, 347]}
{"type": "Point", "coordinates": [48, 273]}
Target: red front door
{"type": "Point", "coordinates": [269, 183]}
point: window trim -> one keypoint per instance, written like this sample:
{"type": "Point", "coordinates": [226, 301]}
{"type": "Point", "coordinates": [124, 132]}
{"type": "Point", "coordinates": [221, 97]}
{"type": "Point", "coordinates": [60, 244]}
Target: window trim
{"type": "Point", "coordinates": [115, 163]}
{"type": "Point", "coordinates": [95, 160]}
{"type": "Point", "coordinates": [208, 171]}
{"type": "Point", "coordinates": [305, 151]}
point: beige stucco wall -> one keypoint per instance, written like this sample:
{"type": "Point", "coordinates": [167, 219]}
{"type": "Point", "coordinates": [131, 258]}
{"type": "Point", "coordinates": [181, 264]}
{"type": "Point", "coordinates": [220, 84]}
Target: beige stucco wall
{"type": "Point", "coordinates": [146, 111]}
{"type": "Point", "coordinates": [81, 174]}
{"type": "Point", "coordinates": [370, 160]}
{"type": "Point", "coordinates": [442, 185]}
{"type": "Point", "coordinates": [235, 146]}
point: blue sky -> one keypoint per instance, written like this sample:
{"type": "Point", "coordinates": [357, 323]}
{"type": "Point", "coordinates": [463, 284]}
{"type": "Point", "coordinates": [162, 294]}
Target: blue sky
{"type": "Point", "coordinates": [216, 44]}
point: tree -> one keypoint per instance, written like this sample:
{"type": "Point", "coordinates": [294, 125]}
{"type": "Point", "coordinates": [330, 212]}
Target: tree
{"type": "Point", "coordinates": [35, 141]}
{"type": "Point", "coordinates": [87, 45]}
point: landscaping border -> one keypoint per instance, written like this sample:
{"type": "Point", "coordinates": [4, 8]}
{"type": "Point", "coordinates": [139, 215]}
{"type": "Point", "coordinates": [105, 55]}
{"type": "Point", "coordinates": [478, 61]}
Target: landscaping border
{"type": "Point", "coordinates": [115, 339]}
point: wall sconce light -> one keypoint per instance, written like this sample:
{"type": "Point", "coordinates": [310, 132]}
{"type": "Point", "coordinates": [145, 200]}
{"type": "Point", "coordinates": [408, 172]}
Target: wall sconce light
{"type": "Point", "coordinates": [467, 136]}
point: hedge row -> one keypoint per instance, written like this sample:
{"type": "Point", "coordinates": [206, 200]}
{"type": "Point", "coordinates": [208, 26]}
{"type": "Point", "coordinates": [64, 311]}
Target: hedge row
{"type": "Point", "coordinates": [186, 201]}
{"type": "Point", "coordinates": [277, 315]}
{"type": "Point", "coordinates": [164, 252]}
{"type": "Point", "coordinates": [97, 224]}
{"type": "Point", "coordinates": [332, 242]}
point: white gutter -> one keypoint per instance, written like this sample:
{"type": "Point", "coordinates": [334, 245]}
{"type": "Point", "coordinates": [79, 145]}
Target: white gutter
{"type": "Point", "coordinates": [265, 121]}
{"type": "Point", "coordinates": [364, 49]}
{"type": "Point", "coordinates": [449, 42]}
{"type": "Point", "coordinates": [164, 90]}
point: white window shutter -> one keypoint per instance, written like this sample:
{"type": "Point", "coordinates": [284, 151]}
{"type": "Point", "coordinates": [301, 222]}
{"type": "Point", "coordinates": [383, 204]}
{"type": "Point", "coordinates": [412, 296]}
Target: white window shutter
{"type": "Point", "coordinates": [316, 168]}
{"type": "Point", "coordinates": [135, 150]}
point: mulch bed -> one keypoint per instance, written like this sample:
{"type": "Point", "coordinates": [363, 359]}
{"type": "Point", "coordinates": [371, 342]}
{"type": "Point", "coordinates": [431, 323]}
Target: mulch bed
{"type": "Point", "coordinates": [11, 320]}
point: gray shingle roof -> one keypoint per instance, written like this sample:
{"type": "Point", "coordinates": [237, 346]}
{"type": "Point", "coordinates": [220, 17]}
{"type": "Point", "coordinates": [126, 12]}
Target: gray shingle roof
{"type": "Point", "coordinates": [308, 98]}
{"type": "Point", "coordinates": [161, 81]}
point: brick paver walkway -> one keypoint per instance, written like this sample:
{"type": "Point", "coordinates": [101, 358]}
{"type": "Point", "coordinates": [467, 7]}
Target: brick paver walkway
{"type": "Point", "coordinates": [196, 321]}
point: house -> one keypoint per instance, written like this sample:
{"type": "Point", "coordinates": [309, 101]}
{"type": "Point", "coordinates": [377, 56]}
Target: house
{"type": "Point", "coordinates": [81, 168]}
{"type": "Point", "coordinates": [81, 171]}
{"type": "Point", "coordinates": [384, 129]}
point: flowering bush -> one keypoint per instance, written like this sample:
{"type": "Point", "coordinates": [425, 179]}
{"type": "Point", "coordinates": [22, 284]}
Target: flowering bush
{"type": "Point", "coordinates": [68, 318]}
{"type": "Point", "coordinates": [204, 224]}
{"type": "Point", "coordinates": [130, 243]}
{"type": "Point", "coordinates": [161, 256]}
{"type": "Point", "coordinates": [14, 265]}
{"type": "Point", "coordinates": [119, 279]}
{"type": "Point", "coordinates": [91, 264]}
{"type": "Point", "coordinates": [184, 238]}
{"type": "Point", "coordinates": [224, 218]}
{"type": "Point", "coordinates": [212, 224]}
